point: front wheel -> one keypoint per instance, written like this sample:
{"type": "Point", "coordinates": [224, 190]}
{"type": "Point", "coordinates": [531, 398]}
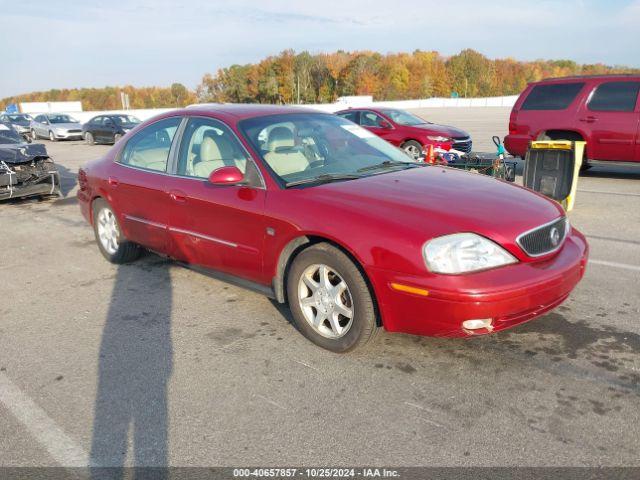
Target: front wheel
{"type": "Point", "coordinates": [413, 149]}
{"type": "Point", "coordinates": [112, 244]}
{"type": "Point", "coordinates": [88, 138]}
{"type": "Point", "coordinates": [34, 135]}
{"type": "Point", "coordinates": [52, 137]}
{"type": "Point", "coordinates": [330, 300]}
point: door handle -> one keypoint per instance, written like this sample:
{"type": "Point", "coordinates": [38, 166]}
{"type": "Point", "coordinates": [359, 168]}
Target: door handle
{"type": "Point", "coordinates": [178, 196]}
{"type": "Point", "coordinates": [589, 119]}
{"type": "Point", "coordinates": [113, 182]}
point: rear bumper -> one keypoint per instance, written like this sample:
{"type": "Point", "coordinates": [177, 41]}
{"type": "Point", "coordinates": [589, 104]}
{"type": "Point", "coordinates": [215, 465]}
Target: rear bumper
{"type": "Point", "coordinates": [509, 295]}
{"type": "Point", "coordinates": [517, 144]}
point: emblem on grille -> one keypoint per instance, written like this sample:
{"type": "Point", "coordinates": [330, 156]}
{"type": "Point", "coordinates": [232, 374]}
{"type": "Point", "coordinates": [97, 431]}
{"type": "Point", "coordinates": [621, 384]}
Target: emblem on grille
{"type": "Point", "coordinates": [554, 236]}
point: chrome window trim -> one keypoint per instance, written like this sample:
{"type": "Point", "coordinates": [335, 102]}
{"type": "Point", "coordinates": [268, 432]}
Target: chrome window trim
{"type": "Point", "coordinates": [567, 227]}
{"type": "Point", "coordinates": [250, 158]}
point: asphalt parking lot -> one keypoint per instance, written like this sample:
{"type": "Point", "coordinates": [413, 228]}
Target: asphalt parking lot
{"type": "Point", "coordinates": [154, 364]}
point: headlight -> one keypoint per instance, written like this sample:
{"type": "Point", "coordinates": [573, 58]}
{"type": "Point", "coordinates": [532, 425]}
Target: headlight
{"type": "Point", "coordinates": [464, 252]}
{"type": "Point", "coordinates": [438, 138]}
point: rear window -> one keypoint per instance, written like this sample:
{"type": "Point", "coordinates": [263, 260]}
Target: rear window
{"type": "Point", "coordinates": [556, 96]}
{"type": "Point", "coordinates": [615, 97]}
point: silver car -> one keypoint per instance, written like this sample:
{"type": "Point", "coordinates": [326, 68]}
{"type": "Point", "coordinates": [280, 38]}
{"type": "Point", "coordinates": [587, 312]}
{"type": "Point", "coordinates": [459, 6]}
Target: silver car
{"type": "Point", "coordinates": [56, 126]}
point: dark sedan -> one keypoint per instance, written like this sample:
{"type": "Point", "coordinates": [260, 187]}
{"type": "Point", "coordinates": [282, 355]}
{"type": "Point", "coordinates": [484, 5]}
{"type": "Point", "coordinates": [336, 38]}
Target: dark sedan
{"type": "Point", "coordinates": [108, 128]}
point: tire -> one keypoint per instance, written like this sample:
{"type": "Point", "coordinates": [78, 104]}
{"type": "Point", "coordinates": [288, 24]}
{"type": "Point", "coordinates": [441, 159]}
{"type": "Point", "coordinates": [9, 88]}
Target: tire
{"type": "Point", "coordinates": [413, 148]}
{"type": "Point", "coordinates": [334, 331]}
{"type": "Point", "coordinates": [34, 135]}
{"type": "Point", "coordinates": [88, 138]}
{"type": "Point", "coordinates": [116, 138]}
{"type": "Point", "coordinates": [121, 250]}
{"type": "Point", "coordinates": [52, 137]}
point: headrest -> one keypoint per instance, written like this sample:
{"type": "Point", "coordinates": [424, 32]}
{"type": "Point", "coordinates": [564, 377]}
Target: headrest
{"type": "Point", "coordinates": [216, 147]}
{"type": "Point", "coordinates": [280, 137]}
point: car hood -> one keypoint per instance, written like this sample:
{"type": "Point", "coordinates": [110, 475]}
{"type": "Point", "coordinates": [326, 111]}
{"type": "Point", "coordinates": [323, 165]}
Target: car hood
{"type": "Point", "coordinates": [433, 201]}
{"type": "Point", "coordinates": [21, 152]}
{"type": "Point", "coordinates": [67, 126]}
{"type": "Point", "coordinates": [444, 130]}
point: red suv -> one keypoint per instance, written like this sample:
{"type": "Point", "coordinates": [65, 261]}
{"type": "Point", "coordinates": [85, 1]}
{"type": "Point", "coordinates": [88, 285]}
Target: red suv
{"type": "Point", "coordinates": [405, 130]}
{"type": "Point", "coordinates": [603, 110]}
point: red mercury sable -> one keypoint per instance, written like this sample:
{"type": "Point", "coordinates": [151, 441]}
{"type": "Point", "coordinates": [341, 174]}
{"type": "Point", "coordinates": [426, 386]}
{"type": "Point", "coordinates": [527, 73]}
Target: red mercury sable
{"type": "Point", "coordinates": [317, 212]}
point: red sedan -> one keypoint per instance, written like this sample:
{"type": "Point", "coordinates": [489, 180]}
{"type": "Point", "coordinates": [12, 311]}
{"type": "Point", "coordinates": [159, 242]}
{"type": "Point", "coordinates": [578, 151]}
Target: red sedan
{"type": "Point", "coordinates": [404, 130]}
{"type": "Point", "coordinates": [319, 213]}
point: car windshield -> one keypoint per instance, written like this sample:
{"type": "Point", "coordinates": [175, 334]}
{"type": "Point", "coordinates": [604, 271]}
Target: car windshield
{"type": "Point", "coordinates": [315, 147]}
{"type": "Point", "coordinates": [125, 119]}
{"type": "Point", "coordinates": [403, 118]}
{"type": "Point", "coordinates": [61, 118]}
{"type": "Point", "coordinates": [8, 135]}
{"type": "Point", "coordinates": [19, 119]}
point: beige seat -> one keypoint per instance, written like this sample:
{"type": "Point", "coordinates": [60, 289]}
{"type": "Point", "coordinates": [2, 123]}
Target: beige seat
{"type": "Point", "coordinates": [152, 159]}
{"type": "Point", "coordinates": [216, 151]}
{"type": "Point", "coordinates": [282, 156]}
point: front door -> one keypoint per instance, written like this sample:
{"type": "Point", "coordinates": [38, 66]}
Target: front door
{"type": "Point", "coordinates": [137, 186]}
{"type": "Point", "coordinates": [217, 227]}
{"type": "Point", "coordinates": [378, 125]}
{"type": "Point", "coordinates": [611, 118]}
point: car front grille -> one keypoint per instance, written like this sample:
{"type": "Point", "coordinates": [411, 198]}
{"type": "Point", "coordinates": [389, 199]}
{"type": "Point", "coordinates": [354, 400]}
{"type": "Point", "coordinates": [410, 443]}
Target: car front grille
{"type": "Point", "coordinates": [545, 239]}
{"type": "Point", "coordinates": [74, 131]}
{"type": "Point", "coordinates": [462, 144]}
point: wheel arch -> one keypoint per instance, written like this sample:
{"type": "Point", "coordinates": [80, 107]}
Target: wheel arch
{"type": "Point", "coordinates": [564, 134]}
{"type": "Point", "coordinates": [301, 243]}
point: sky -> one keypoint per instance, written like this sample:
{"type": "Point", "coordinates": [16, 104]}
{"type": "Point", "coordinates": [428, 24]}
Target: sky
{"type": "Point", "coordinates": [85, 43]}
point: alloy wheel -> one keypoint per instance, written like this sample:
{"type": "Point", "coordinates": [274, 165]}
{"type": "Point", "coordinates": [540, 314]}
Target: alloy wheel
{"type": "Point", "coordinates": [325, 301]}
{"type": "Point", "coordinates": [413, 151]}
{"type": "Point", "coordinates": [108, 231]}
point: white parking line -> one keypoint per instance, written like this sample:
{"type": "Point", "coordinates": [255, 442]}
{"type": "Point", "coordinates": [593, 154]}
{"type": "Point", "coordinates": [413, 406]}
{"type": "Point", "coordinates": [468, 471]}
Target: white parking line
{"type": "Point", "coordinates": [64, 450]}
{"type": "Point", "coordinates": [625, 266]}
{"type": "Point", "coordinates": [604, 192]}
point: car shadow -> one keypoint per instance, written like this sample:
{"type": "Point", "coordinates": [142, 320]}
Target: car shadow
{"type": "Point", "coordinates": [134, 367]}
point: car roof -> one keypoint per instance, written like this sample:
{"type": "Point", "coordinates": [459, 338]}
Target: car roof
{"type": "Point", "coordinates": [577, 78]}
{"type": "Point", "coordinates": [245, 110]}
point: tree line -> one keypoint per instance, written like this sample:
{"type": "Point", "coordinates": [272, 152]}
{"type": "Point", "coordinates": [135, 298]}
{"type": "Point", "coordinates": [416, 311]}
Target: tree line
{"type": "Point", "coordinates": [292, 77]}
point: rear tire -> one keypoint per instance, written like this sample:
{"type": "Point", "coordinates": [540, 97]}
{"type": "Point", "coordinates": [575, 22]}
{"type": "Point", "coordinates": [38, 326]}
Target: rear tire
{"type": "Point", "coordinates": [330, 300]}
{"type": "Point", "coordinates": [88, 138]}
{"type": "Point", "coordinates": [116, 138]}
{"type": "Point", "coordinates": [111, 242]}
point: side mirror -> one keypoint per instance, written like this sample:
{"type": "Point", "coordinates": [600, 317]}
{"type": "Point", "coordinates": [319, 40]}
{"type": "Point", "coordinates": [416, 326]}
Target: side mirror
{"type": "Point", "coordinates": [384, 124]}
{"type": "Point", "coordinates": [226, 176]}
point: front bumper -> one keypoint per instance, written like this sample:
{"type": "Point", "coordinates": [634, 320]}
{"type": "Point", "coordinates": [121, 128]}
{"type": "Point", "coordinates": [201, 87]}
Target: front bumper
{"type": "Point", "coordinates": [46, 185]}
{"type": "Point", "coordinates": [509, 295]}
{"type": "Point", "coordinates": [65, 135]}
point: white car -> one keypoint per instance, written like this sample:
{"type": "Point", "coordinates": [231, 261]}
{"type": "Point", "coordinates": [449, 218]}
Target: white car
{"type": "Point", "coordinates": [56, 126]}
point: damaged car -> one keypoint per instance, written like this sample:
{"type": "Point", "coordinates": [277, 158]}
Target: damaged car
{"type": "Point", "coordinates": [26, 169]}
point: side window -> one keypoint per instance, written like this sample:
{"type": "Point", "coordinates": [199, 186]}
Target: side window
{"type": "Point", "coordinates": [207, 145]}
{"type": "Point", "coordinates": [97, 121]}
{"type": "Point", "coordinates": [615, 97]}
{"type": "Point", "coordinates": [351, 116]}
{"type": "Point", "coordinates": [370, 119]}
{"type": "Point", "coordinates": [555, 96]}
{"type": "Point", "coordinates": [150, 147]}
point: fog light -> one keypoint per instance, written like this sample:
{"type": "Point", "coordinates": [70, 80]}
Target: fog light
{"type": "Point", "coordinates": [477, 324]}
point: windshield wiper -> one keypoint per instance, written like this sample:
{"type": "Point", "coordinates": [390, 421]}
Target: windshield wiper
{"type": "Point", "coordinates": [387, 164]}
{"type": "Point", "coordinates": [325, 178]}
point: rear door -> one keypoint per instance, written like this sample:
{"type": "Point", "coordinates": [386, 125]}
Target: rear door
{"type": "Point", "coordinates": [217, 227]}
{"type": "Point", "coordinates": [610, 116]}
{"type": "Point", "coordinates": [138, 183]}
